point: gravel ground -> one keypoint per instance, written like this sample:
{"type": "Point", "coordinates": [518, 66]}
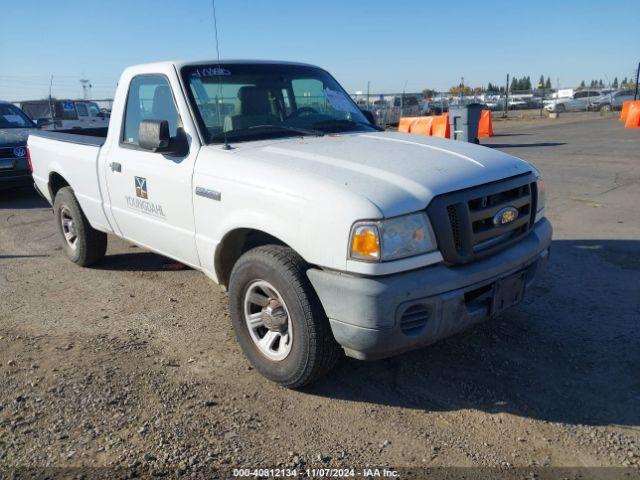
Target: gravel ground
{"type": "Point", "coordinates": [134, 364]}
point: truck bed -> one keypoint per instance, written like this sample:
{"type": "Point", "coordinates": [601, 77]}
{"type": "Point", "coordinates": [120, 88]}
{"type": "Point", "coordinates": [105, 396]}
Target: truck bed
{"type": "Point", "coordinates": [71, 155]}
{"type": "Point", "coordinates": [82, 136]}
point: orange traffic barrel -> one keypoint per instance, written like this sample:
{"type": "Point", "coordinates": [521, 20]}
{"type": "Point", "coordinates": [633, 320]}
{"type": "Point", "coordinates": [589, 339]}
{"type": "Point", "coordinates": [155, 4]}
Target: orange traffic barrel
{"type": "Point", "coordinates": [405, 123]}
{"type": "Point", "coordinates": [633, 116]}
{"type": "Point", "coordinates": [625, 109]}
{"type": "Point", "coordinates": [485, 126]}
{"type": "Point", "coordinates": [440, 126]}
{"type": "Point", "coordinates": [422, 126]}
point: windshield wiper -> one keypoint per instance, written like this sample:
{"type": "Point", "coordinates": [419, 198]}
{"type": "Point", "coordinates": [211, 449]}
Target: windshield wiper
{"type": "Point", "coordinates": [257, 129]}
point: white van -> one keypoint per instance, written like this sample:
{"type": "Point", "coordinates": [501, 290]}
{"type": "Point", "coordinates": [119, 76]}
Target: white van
{"type": "Point", "coordinates": [53, 114]}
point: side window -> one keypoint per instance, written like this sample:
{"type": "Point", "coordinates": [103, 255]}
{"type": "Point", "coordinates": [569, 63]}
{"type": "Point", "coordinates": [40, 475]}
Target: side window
{"type": "Point", "coordinates": [308, 93]}
{"type": "Point", "coordinates": [94, 110]}
{"type": "Point", "coordinates": [149, 98]}
{"type": "Point", "coordinates": [82, 109]}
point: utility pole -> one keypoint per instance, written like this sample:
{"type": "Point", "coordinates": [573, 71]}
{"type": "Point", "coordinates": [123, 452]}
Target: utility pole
{"type": "Point", "coordinates": [86, 88]}
{"type": "Point", "coordinates": [368, 85]}
{"type": "Point", "coordinates": [461, 90]}
{"type": "Point", "coordinates": [51, 101]}
{"type": "Point", "coordinates": [506, 98]}
{"type": "Point", "coordinates": [404, 88]}
{"type": "Point", "coordinates": [541, 87]}
{"type": "Point", "coordinates": [635, 95]}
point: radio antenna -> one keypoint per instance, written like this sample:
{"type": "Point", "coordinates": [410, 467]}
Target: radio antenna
{"type": "Point", "coordinates": [226, 145]}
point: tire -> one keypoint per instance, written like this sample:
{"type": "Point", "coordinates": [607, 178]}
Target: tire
{"type": "Point", "coordinates": [306, 344]}
{"type": "Point", "coordinates": [605, 108]}
{"type": "Point", "coordinates": [560, 108]}
{"type": "Point", "coordinates": [83, 244]}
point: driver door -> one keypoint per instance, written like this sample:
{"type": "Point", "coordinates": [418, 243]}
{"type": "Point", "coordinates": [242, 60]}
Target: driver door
{"type": "Point", "coordinates": [150, 193]}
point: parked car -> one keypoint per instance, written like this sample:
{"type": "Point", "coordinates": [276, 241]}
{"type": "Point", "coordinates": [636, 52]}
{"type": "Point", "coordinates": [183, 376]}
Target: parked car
{"type": "Point", "coordinates": [403, 106]}
{"type": "Point", "coordinates": [612, 101]}
{"type": "Point", "coordinates": [65, 114]}
{"type": "Point", "coordinates": [436, 107]}
{"type": "Point", "coordinates": [517, 104]}
{"type": "Point", "coordinates": [15, 127]}
{"type": "Point", "coordinates": [374, 241]}
{"type": "Point", "coordinates": [90, 115]}
{"type": "Point", "coordinates": [578, 102]}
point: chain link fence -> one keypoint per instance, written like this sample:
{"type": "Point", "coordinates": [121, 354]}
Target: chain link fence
{"type": "Point", "coordinates": [389, 107]}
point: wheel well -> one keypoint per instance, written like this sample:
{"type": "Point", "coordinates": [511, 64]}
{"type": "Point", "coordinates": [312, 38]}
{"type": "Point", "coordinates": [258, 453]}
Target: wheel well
{"type": "Point", "coordinates": [56, 182]}
{"type": "Point", "coordinates": [234, 244]}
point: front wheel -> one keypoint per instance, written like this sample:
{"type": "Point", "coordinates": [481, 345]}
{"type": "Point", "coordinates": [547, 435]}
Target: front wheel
{"type": "Point", "coordinates": [83, 244]}
{"type": "Point", "coordinates": [277, 317]}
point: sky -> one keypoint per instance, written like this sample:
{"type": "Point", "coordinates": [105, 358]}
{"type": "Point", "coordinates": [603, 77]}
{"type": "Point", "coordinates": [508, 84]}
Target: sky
{"type": "Point", "coordinates": [395, 45]}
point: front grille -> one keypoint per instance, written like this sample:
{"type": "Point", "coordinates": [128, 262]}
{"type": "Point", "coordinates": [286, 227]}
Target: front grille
{"type": "Point", "coordinates": [455, 226]}
{"type": "Point", "coordinates": [414, 318]}
{"type": "Point", "coordinates": [6, 153]}
{"type": "Point", "coordinates": [463, 221]}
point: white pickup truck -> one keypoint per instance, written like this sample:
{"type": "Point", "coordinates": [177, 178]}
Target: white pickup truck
{"type": "Point", "coordinates": [328, 234]}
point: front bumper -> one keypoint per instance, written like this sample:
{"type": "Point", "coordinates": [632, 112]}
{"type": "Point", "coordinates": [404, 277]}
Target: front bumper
{"type": "Point", "coordinates": [14, 179]}
{"type": "Point", "coordinates": [368, 315]}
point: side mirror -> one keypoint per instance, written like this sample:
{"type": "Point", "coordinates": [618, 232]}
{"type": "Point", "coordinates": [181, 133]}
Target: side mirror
{"type": "Point", "coordinates": [154, 135]}
{"type": "Point", "coordinates": [369, 116]}
{"type": "Point", "coordinates": [43, 122]}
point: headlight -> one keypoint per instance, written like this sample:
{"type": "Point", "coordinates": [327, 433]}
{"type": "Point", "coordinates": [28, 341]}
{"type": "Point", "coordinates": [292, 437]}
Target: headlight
{"type": "Point", "coordinates": [391, 239]}
{"type": "Point", "coordinates": [541, 198]}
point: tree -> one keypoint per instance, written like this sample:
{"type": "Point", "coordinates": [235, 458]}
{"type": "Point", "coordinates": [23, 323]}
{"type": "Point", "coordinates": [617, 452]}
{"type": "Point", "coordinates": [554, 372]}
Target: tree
{"type": "Point", "coordinates": [429, 93]}
{"type": "Point", "coordinates": [582, 85]}
{"type": "Point", "coordinates": [547, 85]}
{"type": "Point", "coordinates": [615, 82]}
{"type": "Point", "coordinates": [541, 82]}
{"type": "Point", "coordinates": [460, 89]}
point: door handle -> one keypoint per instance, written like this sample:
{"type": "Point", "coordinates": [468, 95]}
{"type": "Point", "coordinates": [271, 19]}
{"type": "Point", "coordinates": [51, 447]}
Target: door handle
{"type": "Point", "coordinates": [115, 167]}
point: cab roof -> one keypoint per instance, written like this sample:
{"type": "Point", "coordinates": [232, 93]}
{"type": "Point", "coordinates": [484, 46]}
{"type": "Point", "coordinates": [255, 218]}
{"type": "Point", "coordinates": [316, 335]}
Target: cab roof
{"type": "Point", "coordinates": [187, 63]}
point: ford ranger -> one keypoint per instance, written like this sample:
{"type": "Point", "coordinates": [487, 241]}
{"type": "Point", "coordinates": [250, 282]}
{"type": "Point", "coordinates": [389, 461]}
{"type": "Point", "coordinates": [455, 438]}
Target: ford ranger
{"type": "Point", "coordinates": [328, 234]}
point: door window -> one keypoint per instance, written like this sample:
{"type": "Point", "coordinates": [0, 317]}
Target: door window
{"type": "Point", "coordinates": [82, 109]}
{"type": "Point", "coordinates": [94, 110]}
{"type": "Point", "coordinates": [149, 98]}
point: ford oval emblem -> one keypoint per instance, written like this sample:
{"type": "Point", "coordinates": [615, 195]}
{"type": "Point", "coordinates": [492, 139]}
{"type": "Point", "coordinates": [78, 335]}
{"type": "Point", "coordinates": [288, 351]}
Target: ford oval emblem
{"type": "Point", "coordinates": [505, 216]}
{"type": "Point", "coordinates": [19, 151]}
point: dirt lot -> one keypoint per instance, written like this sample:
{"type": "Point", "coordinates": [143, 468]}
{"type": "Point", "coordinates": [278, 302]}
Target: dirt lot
{"type": "Point", "coordinates": [132, 364]}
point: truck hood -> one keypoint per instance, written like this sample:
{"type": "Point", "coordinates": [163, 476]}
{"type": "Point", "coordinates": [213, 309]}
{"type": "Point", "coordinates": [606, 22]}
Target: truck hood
{"type": "Point", "coordinates": [14, 137]}
{"type": "Point", "coordinates": [399, 173]}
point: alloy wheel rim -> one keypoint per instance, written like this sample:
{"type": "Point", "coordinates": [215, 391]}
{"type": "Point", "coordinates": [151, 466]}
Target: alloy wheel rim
{"type": "Point", "coordinates": [68, 227]}
{"type": "Point", "coordinates": [268, 321]}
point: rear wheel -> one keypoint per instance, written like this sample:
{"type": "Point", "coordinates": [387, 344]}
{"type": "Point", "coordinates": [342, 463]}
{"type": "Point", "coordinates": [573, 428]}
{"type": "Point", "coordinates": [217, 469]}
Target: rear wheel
{"type": "Point", "coordinates": [560, 108]}
{"type": "Point", "coordinates": [277, 317]}
{"type": "Point", "coordinates": [605, 108]}
{"type": "Point", "coordinates": [83, 244]}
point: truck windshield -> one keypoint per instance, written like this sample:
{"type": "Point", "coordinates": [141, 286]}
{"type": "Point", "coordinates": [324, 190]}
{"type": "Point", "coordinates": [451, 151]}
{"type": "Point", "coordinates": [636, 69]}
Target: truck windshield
{"type": "Point", "coordinates": [261, 100]}
{"type": "Point", "coordinates": [12, 117]}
